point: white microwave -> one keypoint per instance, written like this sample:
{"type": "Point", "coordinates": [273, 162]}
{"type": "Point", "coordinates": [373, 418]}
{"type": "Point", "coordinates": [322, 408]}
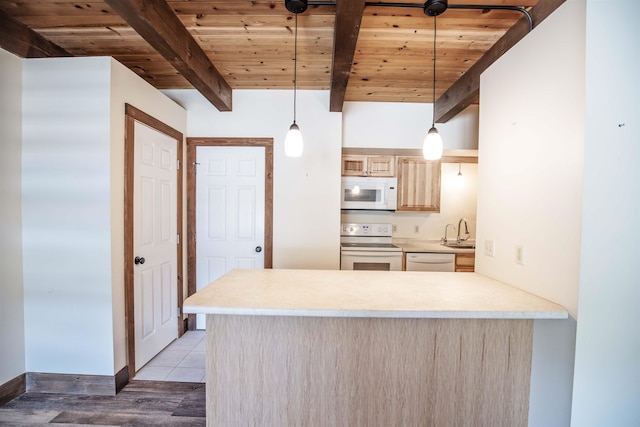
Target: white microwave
{"type": "Point", "coordinates": [369, 193]}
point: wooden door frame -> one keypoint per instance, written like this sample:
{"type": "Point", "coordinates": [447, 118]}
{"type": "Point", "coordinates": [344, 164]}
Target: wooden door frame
{"type": "Point", "coordinates": [132, 115]}
{"type": "Point", "coordinates": [192, 144]}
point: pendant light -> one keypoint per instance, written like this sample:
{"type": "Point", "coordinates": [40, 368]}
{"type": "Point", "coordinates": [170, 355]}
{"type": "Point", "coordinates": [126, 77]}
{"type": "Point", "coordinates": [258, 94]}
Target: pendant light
{"type": "Point", "coordinates": [459, 177]}
{"type": "Point", "coordinates": [432, 147]}
{"type": "Point", "coordinates": [293, 141]}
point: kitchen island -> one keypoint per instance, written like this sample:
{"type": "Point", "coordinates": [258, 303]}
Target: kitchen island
{"type": "Point", "coordinates": [357, 348]}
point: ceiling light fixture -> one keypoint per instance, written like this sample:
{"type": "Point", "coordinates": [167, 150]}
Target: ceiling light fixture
{"type": "Point", "coordinates": [459, 177]}
{"type": "Point", "coordinates": [293, 141]}
{"type": "Point", "coordinates": [432, 147]}
{"type": "Point", "coordinates": [435, 7]}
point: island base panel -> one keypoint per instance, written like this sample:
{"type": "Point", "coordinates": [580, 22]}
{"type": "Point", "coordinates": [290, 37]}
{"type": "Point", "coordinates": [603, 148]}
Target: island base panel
{"type": "Point", "coordinates": [321, 371]}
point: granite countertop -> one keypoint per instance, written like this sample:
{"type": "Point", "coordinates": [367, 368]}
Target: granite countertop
{"type": "Point", "coordinates": [384, 294]}
{"type": "Point", "coordinates": [432, 246]}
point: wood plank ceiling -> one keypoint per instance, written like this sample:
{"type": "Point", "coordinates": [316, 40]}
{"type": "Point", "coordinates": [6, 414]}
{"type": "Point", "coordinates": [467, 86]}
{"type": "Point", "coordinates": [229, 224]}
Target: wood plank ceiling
{"type": "Point", "coordinates": [248, 44]}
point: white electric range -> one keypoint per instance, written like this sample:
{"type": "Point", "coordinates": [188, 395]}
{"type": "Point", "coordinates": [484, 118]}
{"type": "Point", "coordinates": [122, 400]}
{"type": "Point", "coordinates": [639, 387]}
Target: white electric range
{"type": "Point", "coordinates": [369, 247]}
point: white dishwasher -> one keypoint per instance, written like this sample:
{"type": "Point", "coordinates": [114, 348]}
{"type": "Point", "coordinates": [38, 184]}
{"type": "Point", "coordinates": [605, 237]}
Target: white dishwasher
{"type": "Point", "coordinates": [430, 261]}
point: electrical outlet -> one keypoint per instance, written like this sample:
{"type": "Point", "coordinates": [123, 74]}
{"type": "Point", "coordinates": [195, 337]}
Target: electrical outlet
{"type": "Point", "coordinates": [520, 254]}
{"type": "Point", "coordinates": [394, 228]}
{"type": "Point", "coordinates": [417, 229]}
{"type": "Point", "coordinates": [489, 248]}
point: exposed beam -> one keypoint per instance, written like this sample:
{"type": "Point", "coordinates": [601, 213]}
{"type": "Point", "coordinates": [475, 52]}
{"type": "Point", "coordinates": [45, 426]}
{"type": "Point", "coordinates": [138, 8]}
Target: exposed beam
{"type": "Point", "coordinates": [156, 22]}
{"type": "Point", "coordinates": [17, 38]}
{"type": "Point", "coordinates": [347, 27]}
{"type": "Point", "coordinates": [465, 91]}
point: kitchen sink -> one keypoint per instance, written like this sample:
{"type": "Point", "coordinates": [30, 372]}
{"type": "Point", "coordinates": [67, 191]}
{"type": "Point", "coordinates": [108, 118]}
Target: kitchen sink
{"type": "Point", "coordinates": [462, 245]}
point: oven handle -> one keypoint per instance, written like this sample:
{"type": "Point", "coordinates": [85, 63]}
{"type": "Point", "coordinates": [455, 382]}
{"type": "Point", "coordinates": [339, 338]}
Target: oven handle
{"type": "Point", "coordinates": [370, 254]}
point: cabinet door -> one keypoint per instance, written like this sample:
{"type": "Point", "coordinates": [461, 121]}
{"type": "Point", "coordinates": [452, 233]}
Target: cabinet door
{"type": "Point", "coordinates": [354, 165]}
{"type": "Point", "coordinates": [465, 263]}
{"type": "Point", "coordinates": [381, 166]}
{"type": "Point", "coordinates": [418, 184]}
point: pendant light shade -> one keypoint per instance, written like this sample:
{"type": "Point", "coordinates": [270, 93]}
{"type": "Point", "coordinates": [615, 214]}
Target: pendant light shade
{"type": "Point", "coordinates": [293, 143]}
{"type": "Point", "coordinates": [432, 146]}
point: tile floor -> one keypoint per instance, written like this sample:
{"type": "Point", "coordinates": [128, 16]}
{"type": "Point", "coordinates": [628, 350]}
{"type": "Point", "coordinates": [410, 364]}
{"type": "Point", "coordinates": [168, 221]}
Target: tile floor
{"type": "Point", "coordinates": [182, 361]}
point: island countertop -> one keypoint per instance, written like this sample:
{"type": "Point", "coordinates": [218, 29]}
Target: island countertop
{"type": "Point", "coordinates": [382, 294]}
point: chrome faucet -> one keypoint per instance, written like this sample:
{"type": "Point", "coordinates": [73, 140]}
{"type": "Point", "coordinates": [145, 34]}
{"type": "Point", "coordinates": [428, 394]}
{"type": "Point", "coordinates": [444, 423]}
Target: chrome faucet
{"type": "Point", "coordinates": [466, 230]}
{"type": "Point", "coordinates": [444, 239]}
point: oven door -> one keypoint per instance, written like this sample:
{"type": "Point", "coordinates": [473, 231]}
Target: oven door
{"type": "Point", "coordinates": [371, 260]}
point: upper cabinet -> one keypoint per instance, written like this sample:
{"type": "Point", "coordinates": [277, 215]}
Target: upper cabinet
{"type": "Point", "coordinates": [363, 165]}
{"type": "Point", "coordinates": [418, 179]}
{"type": "Point", "coordinates": [418, 184]}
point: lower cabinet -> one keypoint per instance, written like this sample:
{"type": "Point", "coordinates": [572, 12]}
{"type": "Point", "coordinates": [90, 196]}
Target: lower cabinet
{"type": "Point", "coordinates": [465, 263]}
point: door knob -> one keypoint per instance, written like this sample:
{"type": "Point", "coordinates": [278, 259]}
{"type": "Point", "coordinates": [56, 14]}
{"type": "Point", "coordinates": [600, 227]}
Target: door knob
{"type": "Point", "coordinates": [258, 249]}
{"type": "Point", "coordinates": [138, 260]}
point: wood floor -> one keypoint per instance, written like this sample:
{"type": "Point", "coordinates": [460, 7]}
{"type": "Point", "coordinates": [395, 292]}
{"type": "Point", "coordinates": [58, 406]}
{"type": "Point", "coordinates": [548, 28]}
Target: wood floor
{"type": "Point", "coordinates": [140, 403]}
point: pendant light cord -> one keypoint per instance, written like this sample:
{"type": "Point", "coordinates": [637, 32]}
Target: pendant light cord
{"type": "Point", "coordinates": [295, 66]}
{"type": "Point", "coordinates": [433, 121]}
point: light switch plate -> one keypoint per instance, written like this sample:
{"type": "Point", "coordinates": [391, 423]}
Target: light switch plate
{"type": "Point", "coordinates": [520, 254]}
{"type": "Point", "coordinates": [489, 248]}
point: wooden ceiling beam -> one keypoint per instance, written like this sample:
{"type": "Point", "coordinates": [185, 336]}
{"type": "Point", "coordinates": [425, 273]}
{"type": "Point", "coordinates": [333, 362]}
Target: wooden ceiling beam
{"type": "Point", "coordinates": [17, 38]}
{"type": "Point", "coordinates": [347, 27]}
{"type": "Point", "coordinates": [464, 92]}
{"type": "Point", "coordinates": [156, 22]}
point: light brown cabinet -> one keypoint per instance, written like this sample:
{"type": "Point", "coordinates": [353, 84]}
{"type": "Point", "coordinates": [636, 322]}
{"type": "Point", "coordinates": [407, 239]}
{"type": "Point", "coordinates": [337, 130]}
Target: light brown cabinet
{"type": "Point", "coordinates": [465, 263]}
{"type": "Point", "coordinates": [362, 165]}
{"type": "Point", "coordinates": [418, 184]}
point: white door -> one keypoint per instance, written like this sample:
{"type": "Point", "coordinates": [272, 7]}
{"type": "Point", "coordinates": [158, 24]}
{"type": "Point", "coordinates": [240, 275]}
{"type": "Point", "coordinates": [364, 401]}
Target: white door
{"type": "Point", "coordinates": [155, 280]}
{"type": "Point", "coordinates": [229, 212]}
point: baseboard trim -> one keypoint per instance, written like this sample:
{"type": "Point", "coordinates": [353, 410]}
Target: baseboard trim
{"type": "Point", "coordinates": [13, 388]}
{"type": "Point", "coordinates": [122, 378]}
{"type": "Point", "coordinates": [191, 322]}
{"type": "Point", "coordinates": [91, 385]}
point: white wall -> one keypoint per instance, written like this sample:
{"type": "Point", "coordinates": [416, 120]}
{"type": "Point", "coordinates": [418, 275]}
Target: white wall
{"type": "Point", "coordinates": [404, 125]}
{"type": "Point", "coordinates": [73, 169]}
{"type": "Point", "coordinates": [11, 289]}
{"type": "Point", "coordinates": [66, 216]}
{"type": "Point", "coordinates": [128, 88]}
{"type": "Point", "coordinates": [306, 205]}
{"type": "Point", "coordinates": [530, 188]}
{"type": "Point", "coordinates": [607, 367]}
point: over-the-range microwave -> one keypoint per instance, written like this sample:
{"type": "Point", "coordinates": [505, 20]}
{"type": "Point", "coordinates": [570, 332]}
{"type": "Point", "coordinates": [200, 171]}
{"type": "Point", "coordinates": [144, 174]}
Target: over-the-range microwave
{"type": "Point", "coordinates": [371, 193]}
